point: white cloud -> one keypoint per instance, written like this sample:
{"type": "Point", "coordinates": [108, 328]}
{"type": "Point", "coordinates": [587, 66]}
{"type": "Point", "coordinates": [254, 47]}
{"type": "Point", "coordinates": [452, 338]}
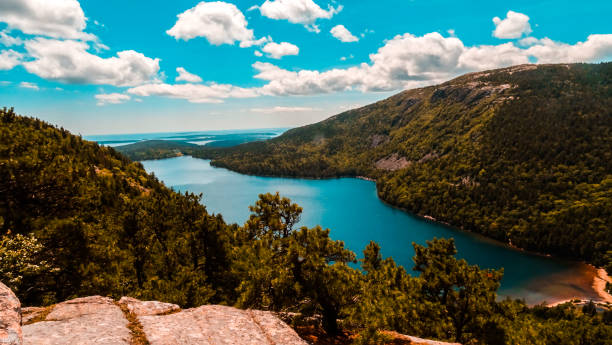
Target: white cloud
{"type": "Point", "coordinates": [411, 61]}
{"type": "Point", "coordinates": [280, 109]}
{"type": "Point", "coordinates": [194, 93]}
{"type": "Point", "coordinates": [70, 62]}
{"type": "Point", "coordinates": [513, 26]}
{"type": "Point", "coordinates": [9, 59]}
{"type": "Point", "coordinates": [405, 61]}
{"type": "Point", "coordinates": [247, 44]}
{"type": "Point", "coordinates": [595, 48]}
{"type": "Point", "coordinates": [258, 53]}
{"type": "Point", "coordinates": [52, 18]}
{"type": "Point", "coordinates": [28, 85]}
{"type": "Point", "coordinates": [183, 75]}
{"type": "Point", "coordinates": [342, 33]}
{"type": "Point", "coordinates": [297, 11]}
{"type": "Point", "coordinates": [278, 50]}
{"type": "Point", "coordinates": [219, 22]}
{"type": "Point", "coordinates": [111, 98]}
{"type": "Point", "coordinates": [9, 41]}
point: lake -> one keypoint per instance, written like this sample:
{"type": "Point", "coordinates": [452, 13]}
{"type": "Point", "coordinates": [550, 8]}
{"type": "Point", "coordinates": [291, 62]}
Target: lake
{"type": "Point", "coordinates": [355, 215]}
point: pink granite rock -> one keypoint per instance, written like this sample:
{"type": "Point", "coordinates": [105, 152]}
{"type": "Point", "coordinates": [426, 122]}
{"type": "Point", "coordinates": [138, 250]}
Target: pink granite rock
{"type": "Point", "coordinates": [10, 317]}
{"type": "Point", "coordinates": [83, 321]}
{"type": "Point", "coordinates": [145, 308]}
{"type": "Point", "coordinates": [218, 325]}
{"type": "Point", "coordinates": [30, 313]}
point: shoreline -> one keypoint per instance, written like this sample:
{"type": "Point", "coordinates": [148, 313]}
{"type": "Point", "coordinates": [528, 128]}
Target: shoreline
{"type": "Point", "coordinates": [600, 278]}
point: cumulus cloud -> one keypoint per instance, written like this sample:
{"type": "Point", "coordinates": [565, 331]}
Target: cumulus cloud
{"type": "Point", "coordinates": [405, 61]}
{"type": "Point", "coordinates": [194, 93]}
{"type": "Point", "coordinates": [278, 50]}
{"type": "Point", "coordinates": [514, 25]}
{"type": "Point", "coordinates": [342, 33]}
{"type": "Point", "coordinates": [280, 109]}
{"type": "Point", "coordinates": [304, 12]}
{"type": "Point", "coordinates": [183, 75]}
{"type": "Point", "coordinates": [412, 61]}
{"type": "Point", "coordinates": [9, 59]}
{"type": "Point", "coordinates": [57, 18]}
{"type": "Point", "coordinates": [258, 53]}
{"type": "Point", "coordinates": [111, 98]}
{"type": "Point", "coordinates": [218, 22]}
{"type": "Point", "coordinates": [595, 48]}
{"type": "Point", "coordinates": [28, 85]}
{"type": "Point", "coordinates": [70, 62]}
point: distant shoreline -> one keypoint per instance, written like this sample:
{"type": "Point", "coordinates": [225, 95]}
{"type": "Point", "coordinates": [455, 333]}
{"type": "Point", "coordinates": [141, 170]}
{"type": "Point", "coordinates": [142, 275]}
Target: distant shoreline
{"type": "Point", "coordinates": [600, 278]}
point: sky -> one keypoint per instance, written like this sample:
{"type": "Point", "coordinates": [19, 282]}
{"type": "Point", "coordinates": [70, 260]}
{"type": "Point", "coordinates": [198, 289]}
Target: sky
{"type": "Point", "coordinates": [116, 66]}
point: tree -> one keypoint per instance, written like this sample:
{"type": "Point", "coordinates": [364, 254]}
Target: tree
{"type": "Point", "coordinates": [273, 215]}
{"type": "Point", "coordinates": [293, 270]}
{"type": "Point", "coordinates": [463, 294]}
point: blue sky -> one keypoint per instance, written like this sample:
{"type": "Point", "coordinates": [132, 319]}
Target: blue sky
{"type": "Point", "coordinates": [98, 67]}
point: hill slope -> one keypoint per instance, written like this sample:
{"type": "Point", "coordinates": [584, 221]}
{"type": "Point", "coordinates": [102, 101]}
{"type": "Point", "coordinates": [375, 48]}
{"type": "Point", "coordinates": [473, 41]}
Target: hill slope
{"type": "Point", "coordinates": [521, 154]}
{"type": "Point", "coordinates": [100, 223]}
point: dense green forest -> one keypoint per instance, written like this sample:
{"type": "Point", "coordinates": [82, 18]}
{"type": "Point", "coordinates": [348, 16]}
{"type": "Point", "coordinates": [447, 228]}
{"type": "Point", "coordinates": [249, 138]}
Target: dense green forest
{"type": "Point", "coordinates": [521, 154]}
{"type": "Point", "coordinates": [79, 219]}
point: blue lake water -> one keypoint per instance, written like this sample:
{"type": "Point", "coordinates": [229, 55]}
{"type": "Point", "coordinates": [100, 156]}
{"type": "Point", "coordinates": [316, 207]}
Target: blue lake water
{"type": "Point", "coordinates": [355, 215]}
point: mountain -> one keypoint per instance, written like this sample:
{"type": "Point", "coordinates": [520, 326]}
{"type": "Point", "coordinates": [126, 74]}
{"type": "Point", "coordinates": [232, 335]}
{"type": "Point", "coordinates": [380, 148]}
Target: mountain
{"type": "Point", "coordinates": [521, 154]}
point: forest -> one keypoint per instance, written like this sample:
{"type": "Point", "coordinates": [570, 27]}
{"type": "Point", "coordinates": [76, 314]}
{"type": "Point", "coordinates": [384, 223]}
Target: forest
{"type": "Point", "coordinates": [521, 154]}
{"type": "Point", "coordinates": [80, 219]}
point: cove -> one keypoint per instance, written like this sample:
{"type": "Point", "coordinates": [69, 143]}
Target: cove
{"type": "Point", "coordinates": [355, 215]}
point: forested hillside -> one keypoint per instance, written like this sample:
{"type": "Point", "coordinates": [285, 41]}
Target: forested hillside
{"type": "Point", "coordinates": [99, 224]}
{"type": "Point", "coordinates": [521, 154]}
{"type": "Point", "coordinates": [78, 219]}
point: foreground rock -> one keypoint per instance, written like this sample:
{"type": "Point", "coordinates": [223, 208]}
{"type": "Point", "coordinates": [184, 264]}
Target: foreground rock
{"type": "Point", "coordinates": [214, 324]}
{"type": "Point", "coordinates": [97, 320]}
{"type": "Point", "coordinates": [145, 308]}
{"type": "Point", "coordinates": [416, 340]}
{"type": "Point", "coordinates": [83, 321]}
{"type": "Point", "coordinates": [10, 317]}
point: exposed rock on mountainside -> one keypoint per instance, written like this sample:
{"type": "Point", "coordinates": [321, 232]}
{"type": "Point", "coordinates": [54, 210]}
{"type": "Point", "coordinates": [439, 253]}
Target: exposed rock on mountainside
{"type": "Point", "coordinates": [392, 163]}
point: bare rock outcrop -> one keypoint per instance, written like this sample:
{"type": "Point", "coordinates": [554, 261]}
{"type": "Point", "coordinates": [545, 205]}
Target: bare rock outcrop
{"type": "Point", "coordinates": [10, 317]}
{"type": "Point", "coordinates": [392, 162]}
{"type": "Point", "coordinates": [30, 314]}
{"type": "Point", "coordinates": [146, 308]}
{"type": "Point", "coordinates": [83, 321]}
{"type": "Point", "coordinates": [98, 320]}
{"type": "Point", "coordinates": [217, 325]}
